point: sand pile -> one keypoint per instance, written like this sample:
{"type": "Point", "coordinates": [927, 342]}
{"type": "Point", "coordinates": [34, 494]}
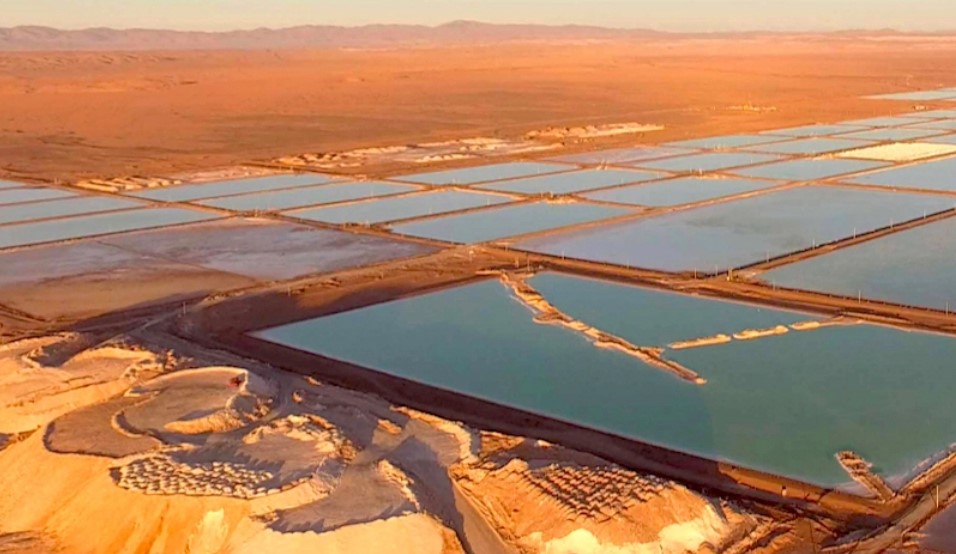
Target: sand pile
{"type": "Point", "coordinates": [43, 378]}
{"type": "Point", "coordinates": [544, 502]}
{"type": "Point", "coordinates": [125, 184]}
{"type": "Point", "coordinates": [592, 131]}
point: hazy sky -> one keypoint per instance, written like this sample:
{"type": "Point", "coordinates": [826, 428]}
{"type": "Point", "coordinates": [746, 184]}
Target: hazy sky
{"type": "Point", "coordinates": [681, 15]}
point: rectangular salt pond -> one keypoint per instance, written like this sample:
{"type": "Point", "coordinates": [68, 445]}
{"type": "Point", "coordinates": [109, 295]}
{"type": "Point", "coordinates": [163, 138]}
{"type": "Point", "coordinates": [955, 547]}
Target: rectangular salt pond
{"type": "Point", "coordinates": [741, 232]}
{"type": "Point", "coordinates": [817, 130]}
{"type": "Point", "coordinates": [915, 267]}
{"type": "Point", "coordinates": [508, 221]}
{"type": "Point", "coordinates": [92, 225]}
{"type": "Point", "coordinates": [726, 141]}
{"type": "Point", "coordinates": [307, 196]}
{"type": "Point", "coordinates": [185, 193]}
{"type": "Point", "coordinates": [678, 191]}
{"type": "Point", "coordinates": [943, 125]}
{"type": "Point", "coordinates": [65, 207]}
{"type": "Point", "coordinates": [783, 404]}
{"type": "Point", "coordinates": [918, 96]}
{"type": "Point", "coordinates": [402, 207]}
{"type": "Point", "coordinates": [810, 146]}
{"type": "Point", "coordinates": [934, 114]}
{"type": "Point", "coordinates": [18, 195]}
{"type": "Point", "coordinates": [945, 139]}
{"type": "Point", "coordinates": [708, 162]}
{"type": "Point", "coordinates": [889, 121]}
{"type": "Point", "coordinates": [934, 175]}
{"type": "Point", "coordinates": [484, 173]}
{"type": "Point", "coordinates": [11, 184]}
{"type": "Point", "coordinates": [564, 183]}
{"type": "Point", "coordinates": [897, 134]}
{"type": "Point", "coordinates": [809, 170]}
{"type": "Point", "coordinates": [622, 155]}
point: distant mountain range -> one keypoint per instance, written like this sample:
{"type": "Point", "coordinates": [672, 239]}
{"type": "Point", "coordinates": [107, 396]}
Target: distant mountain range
{"type": "Point", "coordinates": [30, 38]}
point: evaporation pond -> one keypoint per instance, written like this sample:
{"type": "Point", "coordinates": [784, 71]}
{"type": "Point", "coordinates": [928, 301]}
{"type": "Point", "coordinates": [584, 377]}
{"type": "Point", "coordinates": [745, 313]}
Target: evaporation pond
{"type": "Point", "coordinates": [914, 267]}
{"type": "Point", "coordinates": [810, 146]}
{"type": "Point", "coordinates": [726, 141]}
{"type": "Point", "coordinates": [507, 221]}
{"type": "Point", "coordinates": [91, 225]}
{"type": "Point", "coordinates": [817, 130]}
{"type": "Point", "coordinates": [740, 232]}
{"type": "Point", "coordinates": [297, 197]}
{"type": "Point", "coordinates": [935, 175]}
{"type": "Point", "coordinates": [707, 162]}
{"type": "Point", "coordinates": [784, 404]}
{"type": "Point", "coordinates": [621, 155]}
{"type": "Point", "coordinates": [484, 173]}
{"type": "Point", "coordinates": [403, 207]}
{"type": "Point", "coordinates": [185, 193]}
{"type": "Point", "coordinates": [678, 191]}
{"type": "Point", "coordinates": [808, 170]}
{"type": "Point", "coordinates": [564, 183]}
{"type": "Point", "coordinates": [65, 207]}
{"type": "Point", "coordinates": [15, 196]}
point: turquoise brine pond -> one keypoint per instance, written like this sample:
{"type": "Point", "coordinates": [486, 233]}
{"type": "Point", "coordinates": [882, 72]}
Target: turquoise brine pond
{"type": "Point", "coordinates": [710, 161]}
{"type": "Point", "coordinates": [185, 193]}
{"type": "Point", "coordinates": [92, 225]}
{"type": "Point", "coordinates": [914, 267]}
{"type": "Point", "coordinates": [75, 206]}
{"type": "Point", "coordinates": [378, 210]}
{"type": "Point", "coordinates": [507, 221]}
{"type": "Point", "coordinates": [484, 173]}
{"type": "Point", "coordinates": [810, 146]}
{"type": "Point", "coordinates": [785, 404]}
{"type": "Point", "coordinates": [308, 196]}
{"type": "Point", "coordinates": [564, 183]}
{"type": "Point", "coordinates": [740, 232]}
{"type": "Point", "coordinates": [676, 192]}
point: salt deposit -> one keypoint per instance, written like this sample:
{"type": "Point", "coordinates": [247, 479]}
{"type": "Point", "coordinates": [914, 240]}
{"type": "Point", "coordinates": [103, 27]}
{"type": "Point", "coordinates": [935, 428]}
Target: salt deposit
{"type": "Point", "coordinates": [899, 152]}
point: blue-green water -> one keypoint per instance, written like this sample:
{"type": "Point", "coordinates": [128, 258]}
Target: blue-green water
{"type": "Point", "coordinates": [507, 221]}
{"type": "Point", "coordinates": [185, 193]}
{"type": "Point", "coordinates": [944, 125]}
{"type": "Point", "coordinates": [16, 195]}
{"type": "Point", "coordinates": [945, 139]}
{"type": "Point", "coordinates": [402, 207]}
{"type": "Point", "coordinates": [726, 141]}
{"type": "Point", "coordinates": [65, 207]}
{"type": "Point", "coordinates": [564, 183]}
{"type": "Point", "coordinates": [786, 404]}
{"type": "Point", "coordinates": [741, 232]}
{"type": "Point", "coordinates": [808, 170]}
{"type": "Point", "coordinates": [484, 173]}
{"type": "Point", "coordinates": [91, 225]}
{"type": "Point", "coordinates": [310, 196]}
{"type": "Point", "coordinates": [679, 191]}
{"type": "Point", "coordinates": [810, 146]}
{"type": "Point", "coordinates": [708, 161]}
{"type": "Point", "coordinates": [892, 134]}
{"type": "Point", "coordinates": [622, 155]}
{"type": "Point", "coordinates": [817, 130]}
{"type": "Point", "coordinates": [889, 121]}
{"type": "Point", "coordinates": [936, 175]}
{"type": "Point", "coordinates": [914, 267]}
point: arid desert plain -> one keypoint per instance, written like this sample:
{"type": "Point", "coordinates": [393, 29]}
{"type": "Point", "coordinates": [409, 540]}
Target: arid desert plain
{"type": "Point", "coordinates": [680, 293]}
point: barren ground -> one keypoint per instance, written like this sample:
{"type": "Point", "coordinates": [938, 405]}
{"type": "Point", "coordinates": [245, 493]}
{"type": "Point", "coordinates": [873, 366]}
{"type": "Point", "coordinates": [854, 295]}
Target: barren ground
{"type": "Point", "coordinates": [72, 115]}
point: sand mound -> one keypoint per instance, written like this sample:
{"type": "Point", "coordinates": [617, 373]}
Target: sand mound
{"type": "Point", "coordinates": [551, 505]}
{"type": "Point", "coordinates": [44, 378]}
{"type": "Point", "coordinates": [593, 131]}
